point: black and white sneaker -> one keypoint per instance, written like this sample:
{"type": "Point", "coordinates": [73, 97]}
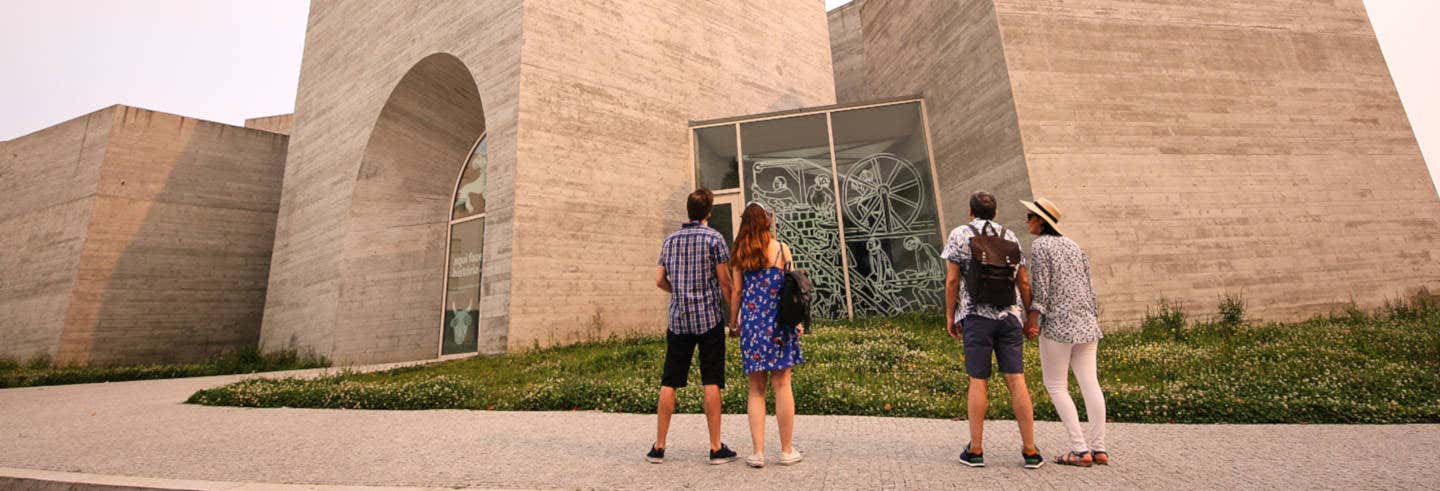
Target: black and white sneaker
{"type": "Point", "coordinates": [971, 459]}
{"type": "Point", "coordinates": [722, 456]}
{"type": "Point", "coordinates": [1032, 460]}
{"type": "Point", "coordinates": [656, 455]}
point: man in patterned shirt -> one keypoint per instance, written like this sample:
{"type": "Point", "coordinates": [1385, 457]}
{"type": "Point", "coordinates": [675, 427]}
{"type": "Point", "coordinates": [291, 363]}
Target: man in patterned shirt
{"type": "Point", "coordinates": [692, 269]}
{"type": "Point", "coordinates": [986, 329]}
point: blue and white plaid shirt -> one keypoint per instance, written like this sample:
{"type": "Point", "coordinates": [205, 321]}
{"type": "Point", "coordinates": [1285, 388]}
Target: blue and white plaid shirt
{"type": "Point", "coordinates": [689, 256]}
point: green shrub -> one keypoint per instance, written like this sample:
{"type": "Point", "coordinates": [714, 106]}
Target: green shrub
{"type": "Point", "coordinates": [1232, 310]}
{"type": "Point", "coordinates": [1353, 315]}
{"type": "Point", "coordinates": [39, 371]}
{"type": "Point", "coordinates": [337, 392]}
{"type": "Point", "coordinates": [1325, 370]}
{"type": "Point", "coordinates": [1416, 307]}
{"type": "Point", "coordinates": [39, 362]}
{"type": "Point", "coordinates": [1167, 321]}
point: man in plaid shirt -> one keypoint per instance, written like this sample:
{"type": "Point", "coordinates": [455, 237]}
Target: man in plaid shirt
{"type": "Point", "coordinates": [692, 269]}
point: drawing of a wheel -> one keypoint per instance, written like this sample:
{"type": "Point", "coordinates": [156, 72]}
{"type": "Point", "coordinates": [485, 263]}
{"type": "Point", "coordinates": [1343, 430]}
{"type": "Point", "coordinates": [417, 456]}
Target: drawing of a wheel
{"type": "Point", "coordinates": [883, 193]}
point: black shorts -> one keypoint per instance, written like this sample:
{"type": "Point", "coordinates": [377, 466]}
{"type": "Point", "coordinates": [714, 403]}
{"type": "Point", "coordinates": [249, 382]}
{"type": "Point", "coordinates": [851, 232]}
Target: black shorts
{"type": "Point", "coordinates": [680, 349]}
{"type": "Point", "coordinates": [1005, 338]}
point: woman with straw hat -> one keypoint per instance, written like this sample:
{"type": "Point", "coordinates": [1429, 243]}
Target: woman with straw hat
{"type": "Point", "coordinates": [1064, 313]}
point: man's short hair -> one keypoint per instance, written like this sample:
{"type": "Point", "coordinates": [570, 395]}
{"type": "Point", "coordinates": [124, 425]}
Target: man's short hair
{"type": "Point", "coordinates": [982, 205]}
{"type": "Point", "coordinates": [698, 204]}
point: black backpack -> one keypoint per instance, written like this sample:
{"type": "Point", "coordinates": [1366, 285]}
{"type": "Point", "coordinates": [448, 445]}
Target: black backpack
{"type": "Point", "coordinates": [990, 274]}
{"type": "Point", "coordinates": [795, 296]}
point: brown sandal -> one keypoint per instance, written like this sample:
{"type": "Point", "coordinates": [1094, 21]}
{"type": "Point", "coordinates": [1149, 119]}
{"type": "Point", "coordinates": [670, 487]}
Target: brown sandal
{"type": "Point", "coordinates": [1100, 457]}
{"type": "Point", "coordinates": [1073, 458]}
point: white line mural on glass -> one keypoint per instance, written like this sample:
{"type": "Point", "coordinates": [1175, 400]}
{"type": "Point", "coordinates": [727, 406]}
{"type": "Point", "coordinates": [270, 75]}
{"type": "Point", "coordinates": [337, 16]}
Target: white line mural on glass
{"type": "Point", "coordinates": [889, 230]}
{"type": "Point", "coordinates": [862, 174]}
{"type": "Point", "coordinates": [800, 194]}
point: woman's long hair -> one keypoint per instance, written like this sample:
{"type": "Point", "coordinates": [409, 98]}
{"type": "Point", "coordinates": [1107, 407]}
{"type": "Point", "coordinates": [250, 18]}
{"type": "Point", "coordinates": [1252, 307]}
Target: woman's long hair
{"type": "Point", "coordinates": [753, 239]}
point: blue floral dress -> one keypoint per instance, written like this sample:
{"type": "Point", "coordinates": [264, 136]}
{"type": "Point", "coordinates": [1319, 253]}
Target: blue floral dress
{"type": "Point", "coordinates": [762, 345]}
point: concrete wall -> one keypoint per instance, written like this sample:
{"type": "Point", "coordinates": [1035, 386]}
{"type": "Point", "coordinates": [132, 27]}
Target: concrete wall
{"type": "Point", "coordinates": [178, 249]}
{"type": "Point", "coordinates": [1240, 147]}
{"type": "Point", "coordinates": [1252, 148]}
{"type": "Point", "coordinates": [606, 94]}
{"type": "Point", "coordinates": [951, 54]}
{"type": "Point", "coordinates": [280, 123]}
{"type": "Point", "coordinates": [324, 269]}
{"type": "Point", "coordinates": [847, 52]}
{"type": "Point", "coordinates": [143, 237]}
{"type": "Point", "coordinates": [47, 190]}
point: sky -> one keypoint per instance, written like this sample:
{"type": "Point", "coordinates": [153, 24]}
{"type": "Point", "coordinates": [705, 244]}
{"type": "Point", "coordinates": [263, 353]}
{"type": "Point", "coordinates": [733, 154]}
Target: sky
{"type": "Point", "coordinates": [229, 60]}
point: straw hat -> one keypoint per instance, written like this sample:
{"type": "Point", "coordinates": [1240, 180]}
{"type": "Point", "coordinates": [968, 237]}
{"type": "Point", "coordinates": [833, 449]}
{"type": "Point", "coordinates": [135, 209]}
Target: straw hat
{"type": "Point", "coordinates": [1046, 210]}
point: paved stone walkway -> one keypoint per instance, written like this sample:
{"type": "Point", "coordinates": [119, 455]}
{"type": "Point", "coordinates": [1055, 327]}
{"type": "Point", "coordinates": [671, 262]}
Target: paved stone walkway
{"type": "Point", "coordinates": [144, 429]}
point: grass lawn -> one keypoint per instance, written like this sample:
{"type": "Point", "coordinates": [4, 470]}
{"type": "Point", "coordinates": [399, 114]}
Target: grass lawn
{"type": "Point", "coordinates": [1352, 368]}
{"type": "Point", "coordinates": [41, 372]}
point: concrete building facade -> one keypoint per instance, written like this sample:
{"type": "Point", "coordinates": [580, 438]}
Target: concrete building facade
{"type": "Point", "coordinates": [136, 236]}
{"type": "Point", "coordinates": [487, 177]}
{"type": "Point", "coordinates": [279, 124]}
{"type": "Point", "coordinates": [584, 110]}
{"type": "Point", "coordinates": [1250, 148]}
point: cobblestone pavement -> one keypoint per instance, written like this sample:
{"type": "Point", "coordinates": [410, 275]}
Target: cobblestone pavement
{"type": "Point", "coordinates": [143, 429]}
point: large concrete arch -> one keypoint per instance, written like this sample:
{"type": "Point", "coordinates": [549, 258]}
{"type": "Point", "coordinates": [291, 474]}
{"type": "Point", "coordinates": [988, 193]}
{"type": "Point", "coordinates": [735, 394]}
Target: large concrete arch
{"type": "Point", "coordinates": [388, 104]}
{"type": "Point", "coordinates": [393, 260]}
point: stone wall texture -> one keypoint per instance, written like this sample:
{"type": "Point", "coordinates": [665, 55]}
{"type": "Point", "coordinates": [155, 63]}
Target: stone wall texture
{"type": "Point", "coordinates": [847, 52]}
{"type": "Point", "coordinates": [951, 54]}
{"type": "Point", "coordinates": [280, 123]}
{"type": "Point", "coordinates": [605, 164]}
{"type": "Point", "coordinates": [164, 253]}
{"type": "Point", "coordinates": [1250, 148]}
{"type": "Point", "coordinates": [359, 260]}
{"type": "Point", "coordinates": [47, 191]}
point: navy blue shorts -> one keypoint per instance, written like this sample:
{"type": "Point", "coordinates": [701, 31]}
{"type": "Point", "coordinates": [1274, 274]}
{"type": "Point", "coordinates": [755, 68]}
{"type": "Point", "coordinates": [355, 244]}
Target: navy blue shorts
{"type": "Point", "coordinates": [1005, 338]}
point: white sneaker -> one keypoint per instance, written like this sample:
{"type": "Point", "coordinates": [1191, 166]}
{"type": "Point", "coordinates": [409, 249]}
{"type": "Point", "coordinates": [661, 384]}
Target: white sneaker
{"type": "Point", "coordinates": [755, 460]}
{"type": "Point", "coordinates": [791, 458]}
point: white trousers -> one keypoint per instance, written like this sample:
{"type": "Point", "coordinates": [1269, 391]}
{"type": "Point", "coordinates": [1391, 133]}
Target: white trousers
{"type": "Point", "coordinates": [1057, 360]}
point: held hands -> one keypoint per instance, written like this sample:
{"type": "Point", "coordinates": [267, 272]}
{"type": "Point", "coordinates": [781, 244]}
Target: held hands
{"type": "Point", "coordinates": [1032, 329]}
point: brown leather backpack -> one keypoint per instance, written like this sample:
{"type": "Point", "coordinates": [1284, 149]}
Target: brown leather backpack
{"type": "Point", "coordinates": [990, 274]}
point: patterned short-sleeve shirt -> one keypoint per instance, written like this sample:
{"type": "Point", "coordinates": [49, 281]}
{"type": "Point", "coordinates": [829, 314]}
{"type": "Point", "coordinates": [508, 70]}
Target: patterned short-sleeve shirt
{"type": "Point", "coordinates": [690, 256]}
{"type": "Point", "coordinates": [1061, 292]}
{"type": "Point", "coordinates": [957, 250]}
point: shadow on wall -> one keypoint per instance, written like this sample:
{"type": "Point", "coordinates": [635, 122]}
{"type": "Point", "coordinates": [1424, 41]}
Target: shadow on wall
{"type": "Point", "coordinates": [178, 254]}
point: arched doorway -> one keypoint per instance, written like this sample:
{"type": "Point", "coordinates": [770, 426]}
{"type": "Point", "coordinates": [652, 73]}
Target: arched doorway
{"type": "Point", "coordinates": [400, 216]}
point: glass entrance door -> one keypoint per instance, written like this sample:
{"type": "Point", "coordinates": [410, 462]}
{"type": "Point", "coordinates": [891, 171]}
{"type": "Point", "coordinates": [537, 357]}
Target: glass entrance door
{"type": "Point", "coordinates": [725, 217]}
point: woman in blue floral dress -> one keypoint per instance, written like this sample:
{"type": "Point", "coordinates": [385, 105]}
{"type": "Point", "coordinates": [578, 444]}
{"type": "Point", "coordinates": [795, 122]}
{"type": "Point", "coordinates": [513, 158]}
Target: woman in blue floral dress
{"type": "Point", "coordinates": [769, 351]}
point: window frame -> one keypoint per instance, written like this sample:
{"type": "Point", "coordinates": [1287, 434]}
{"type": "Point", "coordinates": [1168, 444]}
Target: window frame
{"type": "Point", "coordinates": [828, 111]}
{"type": "Point", "coordinates": [450, 224]}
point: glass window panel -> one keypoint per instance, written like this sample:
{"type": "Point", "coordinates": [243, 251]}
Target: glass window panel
{"type": "Point", "coordinates": [787, 169]}
{"type": "Point", "coordinates": [460, 333]}
{"type": "Point", "coordinates": [892, 230]}
{"type": "Point", "coordinates": [715, 164]}
{"type": "Point", "coordinates": [721, 220]}
{"type": "Point", "coordinates": [470, 196]}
